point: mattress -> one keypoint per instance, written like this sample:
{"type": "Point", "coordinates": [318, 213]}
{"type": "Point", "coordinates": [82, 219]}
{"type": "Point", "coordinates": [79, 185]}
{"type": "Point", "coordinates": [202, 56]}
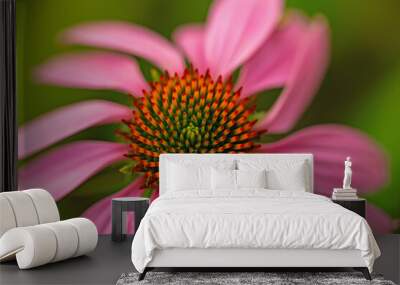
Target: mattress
{"type": "Point", "coordinates": [250, 219]}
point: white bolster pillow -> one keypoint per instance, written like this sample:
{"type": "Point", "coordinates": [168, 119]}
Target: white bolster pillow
{"type": "Point", "coordinates": [22, 207]}
{"type": "Point", "coordinates": [26, 208]}
{"type": "Point", "coordinates": [7, 218]}
{"type": "Point", "coordinates": [87, 235]}
{"type": "Point", "coordinates": [45, 206]}
{"type": "Point", "coordinates": [32, 246]}
{"type": "Point", "coordinates": [40, 244]}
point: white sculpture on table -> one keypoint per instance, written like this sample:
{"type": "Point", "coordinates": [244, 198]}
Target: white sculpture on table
{"type": "Point", "coordinates": [347, 174]}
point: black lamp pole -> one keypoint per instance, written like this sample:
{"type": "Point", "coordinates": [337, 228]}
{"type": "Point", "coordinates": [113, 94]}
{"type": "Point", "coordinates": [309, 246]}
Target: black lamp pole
{"type": "Point", "coordinates": [8, 126]}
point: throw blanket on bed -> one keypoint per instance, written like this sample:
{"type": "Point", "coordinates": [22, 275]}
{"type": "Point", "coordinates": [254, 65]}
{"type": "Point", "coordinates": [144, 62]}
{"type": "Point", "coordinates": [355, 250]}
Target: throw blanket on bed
{"type": "Point", "coordinates": [250, 219]}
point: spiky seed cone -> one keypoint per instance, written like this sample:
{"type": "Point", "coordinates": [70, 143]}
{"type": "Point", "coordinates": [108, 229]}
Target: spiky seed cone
{"type": "Point", "coordinates": [188, 114]}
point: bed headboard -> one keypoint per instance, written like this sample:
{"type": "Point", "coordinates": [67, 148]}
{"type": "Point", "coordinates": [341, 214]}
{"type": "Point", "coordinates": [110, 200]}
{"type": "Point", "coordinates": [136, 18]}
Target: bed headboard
{"type": "Point", "coordinates": [171, 157]}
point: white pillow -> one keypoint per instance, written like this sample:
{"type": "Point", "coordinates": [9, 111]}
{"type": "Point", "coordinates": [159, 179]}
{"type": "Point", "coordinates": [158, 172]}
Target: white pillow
{"type": "Point", "coordinates": [223, 179]}
{"type": "Point", "coordinates": [251, 178]}
{"type": "Point", "coordinates": [182, 177]}
{"type": "Point", "coordinates": [227, 179]}
{"type": "Point", "coordinates": [292, 178]}
{"type": "Point", "coordinates": [281, 174]}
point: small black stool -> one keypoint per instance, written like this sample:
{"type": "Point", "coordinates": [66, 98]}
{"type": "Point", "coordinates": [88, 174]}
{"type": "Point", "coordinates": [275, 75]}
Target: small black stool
{"type": "Point", "coordinates": [120, 206]}
{"type": "Point", "coordinates": [357, 205]}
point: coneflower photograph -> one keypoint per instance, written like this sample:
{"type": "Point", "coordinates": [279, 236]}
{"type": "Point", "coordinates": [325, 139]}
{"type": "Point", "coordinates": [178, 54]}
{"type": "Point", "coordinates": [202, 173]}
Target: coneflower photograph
{"type": "Point", "coordinates": [200, 142]}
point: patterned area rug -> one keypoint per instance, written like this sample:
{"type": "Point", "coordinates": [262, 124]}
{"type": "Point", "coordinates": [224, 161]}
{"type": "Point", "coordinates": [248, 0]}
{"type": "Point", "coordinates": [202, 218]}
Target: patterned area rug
{"type": "Point", "coordinates": [243, 278]}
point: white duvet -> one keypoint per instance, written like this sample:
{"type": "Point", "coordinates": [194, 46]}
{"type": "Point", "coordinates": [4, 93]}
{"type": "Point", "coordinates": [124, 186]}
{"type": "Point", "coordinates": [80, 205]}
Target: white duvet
{"type": "Point", "coordinates": [250, 219]}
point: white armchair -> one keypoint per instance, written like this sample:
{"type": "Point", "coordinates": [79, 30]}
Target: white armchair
{"type": "Point", "coordinates": [31, 230]}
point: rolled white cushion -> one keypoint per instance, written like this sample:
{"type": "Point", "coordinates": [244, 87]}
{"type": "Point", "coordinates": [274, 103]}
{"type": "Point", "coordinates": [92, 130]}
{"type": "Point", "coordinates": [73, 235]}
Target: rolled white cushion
{"type": "Point", "coordinates": [26, 208]}
{"type": "Point", "coordinates": [45, 205]}
{"type": "Point", "coordinates": [23, 208]}
{"type": "Point", "coordinates": [37, 245]}
{"type": "Point", "coordinates": [7, 218]}
{"type": "Point", "coordinates": [87, 235]}
{"type": "Point", "coordinates": [33, 246]}
{"type": "Point", "coordinates": [67, 240]}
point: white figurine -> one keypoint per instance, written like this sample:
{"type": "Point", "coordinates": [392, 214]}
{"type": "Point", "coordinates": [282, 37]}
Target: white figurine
{"type": "Point", "coordinates": [347, 174]}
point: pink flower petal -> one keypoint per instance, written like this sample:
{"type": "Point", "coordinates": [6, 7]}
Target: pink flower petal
{"type": "Point", "coordinates": [190, 38]}
{"type": "Point", "coordinates": [154, 195]}
{"type": "Point", "coordinates": [305, 77]}
{"type": "Point", "coordinates": [271, 65]}
{"type": "Point", "coordinates": [379, 221]}
{"type": "Point", "coordinates": [93, 70]}
{"type": "Point", "coordinates": [236, 29]}
{"type": "Point", "coordinates": [100, 212]}
{"type": "Point", "coordinates": [331, 144]}
{"type": "Point", "coordinates": [62, 170]}
{"type": "Point", "coordinates": [128, 38]}
{"type": "Point", "coordinates": [63, 122]}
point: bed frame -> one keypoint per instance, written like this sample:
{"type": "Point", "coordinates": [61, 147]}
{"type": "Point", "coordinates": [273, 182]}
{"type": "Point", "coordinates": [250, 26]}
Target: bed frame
{"type": "Point", "coordinates": [246, 258]}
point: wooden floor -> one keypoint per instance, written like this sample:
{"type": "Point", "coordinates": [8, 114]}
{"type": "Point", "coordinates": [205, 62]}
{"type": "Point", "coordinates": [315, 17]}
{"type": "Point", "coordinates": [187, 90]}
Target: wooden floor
{"type": "Point", "coordinates": [110, 260]}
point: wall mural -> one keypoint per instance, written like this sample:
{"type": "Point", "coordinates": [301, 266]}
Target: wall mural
{"type": "Point", "coordinates": [123, 84]}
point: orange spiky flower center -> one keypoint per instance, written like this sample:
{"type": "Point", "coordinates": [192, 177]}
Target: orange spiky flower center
{"type": "Point", "coordinates": [191, 113]}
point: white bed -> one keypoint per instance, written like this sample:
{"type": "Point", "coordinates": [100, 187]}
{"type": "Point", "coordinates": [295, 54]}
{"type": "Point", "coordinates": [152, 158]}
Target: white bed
{"type": "Point", "coordinates": [249, 227]}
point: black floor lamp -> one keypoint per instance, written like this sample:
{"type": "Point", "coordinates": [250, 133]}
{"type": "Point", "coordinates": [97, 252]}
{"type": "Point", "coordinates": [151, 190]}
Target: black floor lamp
{"type": "Point", "coordinates": [8, 139]}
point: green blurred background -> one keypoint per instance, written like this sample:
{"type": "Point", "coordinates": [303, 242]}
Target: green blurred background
{"type": "Point", "coordinates": [361, 88]}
